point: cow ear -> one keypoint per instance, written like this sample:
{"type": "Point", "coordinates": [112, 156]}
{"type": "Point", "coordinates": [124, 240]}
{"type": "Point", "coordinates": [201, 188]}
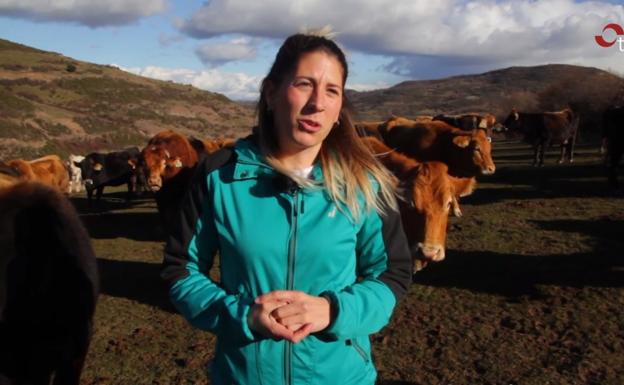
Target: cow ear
{"type": "Point", "coordinates": [463, 186]}
{"type": "Point", "coordinates": [461, 141]}
{"type": "Point", "coordinates": [98, 167]}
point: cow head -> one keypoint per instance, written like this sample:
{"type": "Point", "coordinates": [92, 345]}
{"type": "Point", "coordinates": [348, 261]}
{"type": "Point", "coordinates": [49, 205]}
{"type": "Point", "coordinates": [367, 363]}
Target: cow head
{"type": "Point", "coordinates": [157, 164]}
{"type": "Point", "coordinates": [475, 153]}
{"type": "Point", "coordinates": [429, 194]}
{"type": "Point", "coordinates": [513, 121]}
{"type": "Point", "coordinates": [91, 169]}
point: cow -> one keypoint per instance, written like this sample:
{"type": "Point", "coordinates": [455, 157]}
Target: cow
{"type": "Point", "coordinates": [369, 128]}
{"type": "Point", "coordinates": [99, 170]}
{"type": "Point", "coordinates": [8, 175]}
{"type": "Point", "coordinates": [167, 163]}
{"type": "Point", "coordinates": [470, 121]}
{"type": "Point", "coordinates": [75, 173]}
{"type": "Point", "coordinates": [48, 170]}
{"type": "Point", "coordinates": [545, 129]}
{"type": "Point", "coordinates": [613, 141]}
{"type": "Point", "coordinates": [428, 194]}
{"type": "Point", "coordinates": [48, 286]}
{"type": "Point", "coordinates": [465, 154]}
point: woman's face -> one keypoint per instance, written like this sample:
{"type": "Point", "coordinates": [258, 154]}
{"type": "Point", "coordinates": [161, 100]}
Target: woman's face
{"type": "Point", "coordinates": [307, 103]}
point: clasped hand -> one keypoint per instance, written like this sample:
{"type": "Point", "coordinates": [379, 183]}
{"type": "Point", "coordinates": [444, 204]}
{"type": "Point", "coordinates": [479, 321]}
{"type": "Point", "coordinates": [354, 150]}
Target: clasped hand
{"type": "Point", "coordinates": [289, 315]}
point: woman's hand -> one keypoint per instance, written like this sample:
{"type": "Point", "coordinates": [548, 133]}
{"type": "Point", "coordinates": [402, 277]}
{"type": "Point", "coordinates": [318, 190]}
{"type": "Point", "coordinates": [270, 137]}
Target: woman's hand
{"type": "Point", "coordinates": [300, 313]}
{"type": "Point", "coordinates": [262, 321]}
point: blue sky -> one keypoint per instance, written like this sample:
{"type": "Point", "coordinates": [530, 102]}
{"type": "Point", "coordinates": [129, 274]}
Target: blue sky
{"type": "Point", "coordinates": [227, 46]}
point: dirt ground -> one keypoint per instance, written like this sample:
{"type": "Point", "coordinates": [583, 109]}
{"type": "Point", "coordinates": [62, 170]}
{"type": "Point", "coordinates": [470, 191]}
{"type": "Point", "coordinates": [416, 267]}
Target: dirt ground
{"type": "Point", "coordinates": [531, 291]}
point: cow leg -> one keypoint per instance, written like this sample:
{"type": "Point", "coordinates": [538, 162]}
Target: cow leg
{"type": "Point", "coordinates": [562, 153]}
{"type": "Point", "coordinates": [89, 195]}
{"type": "Point", "coordinates": [542, 149]}
{"type": "Point", "coordinates": [571, 144]}
{"type": "Point", "coordinates": [98, 193]}
{"type": "Point", "coordinates": [535, 154]}
{"type": "Point", "coordinates": [131, 188]}
{"type": "Point", "coordinates": [614, 162]}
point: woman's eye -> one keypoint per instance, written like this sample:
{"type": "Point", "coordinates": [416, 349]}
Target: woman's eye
{"type": "Point", "coordinates": [303, 83]}
{"type": "Point", "coordinates": [334, 91]}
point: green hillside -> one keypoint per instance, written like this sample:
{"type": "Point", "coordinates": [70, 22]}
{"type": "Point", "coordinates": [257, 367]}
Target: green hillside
{"type": "Point", "coordinates": [50, 103]}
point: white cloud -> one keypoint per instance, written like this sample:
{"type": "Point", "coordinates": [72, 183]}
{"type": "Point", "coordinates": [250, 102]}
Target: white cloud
{"type": "Point", "coordinates": [235, 85]}
{"type": "Point", "coordinates": [92, 13]}
{"type": "Point", "coordinates": [480, 34]}
{"type": "Point", "coordinates": [216, 54]}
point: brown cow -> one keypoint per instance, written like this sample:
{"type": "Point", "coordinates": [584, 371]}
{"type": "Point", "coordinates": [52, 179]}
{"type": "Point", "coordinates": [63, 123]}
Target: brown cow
{"type": "Point", "coordinates": [546, 129]}
{"type": "Point", "coordinates": [167, 164]}
{"type": "Point", "coordinates": [212, 145]}
{"type": "Point", "coordinates": [165, 156]}
{"type": "Point", "coordinates": [428, 194]}
{"type": "Point", "coordinates": [8, 175]}
{"type": "Point", "coordinates": [49, 170]}
{"type": "Point", "coordinates": [369, 128]}
{"type": "Point", "coordinates": [465, 154]}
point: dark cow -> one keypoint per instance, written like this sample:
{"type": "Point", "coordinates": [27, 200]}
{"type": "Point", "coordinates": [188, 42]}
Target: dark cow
{"type": "Point", "coordinates": [545, 129]}
{"type": "Point", "coordinates": [428, 195]}
{"type": "Point", "coordinates": [112, 169]}
{"type": "Point", "coordinates": [48, 287]}
{"type": "Point", "coordinates": [467, 154]}
{"type": "Point", "coordinates": [613, 138]}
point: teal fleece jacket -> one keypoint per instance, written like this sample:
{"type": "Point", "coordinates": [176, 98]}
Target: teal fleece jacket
{"type": "Point", "coordinates": [273, 235]}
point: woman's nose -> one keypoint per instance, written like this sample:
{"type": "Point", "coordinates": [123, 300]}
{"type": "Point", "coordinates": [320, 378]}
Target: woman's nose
{"type": "Point", "coordinates": [317, 100]}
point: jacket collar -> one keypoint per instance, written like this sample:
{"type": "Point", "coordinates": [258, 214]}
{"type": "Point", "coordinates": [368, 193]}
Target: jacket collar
{"type": "Point", "coordinates": [250, 163]}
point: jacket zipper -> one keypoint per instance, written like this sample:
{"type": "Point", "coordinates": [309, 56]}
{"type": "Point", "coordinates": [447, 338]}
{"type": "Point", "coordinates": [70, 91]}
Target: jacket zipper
{"type": "Point", "coordinates": [290, 277]}
{"type": "Point", "coordinates": [360, 350]}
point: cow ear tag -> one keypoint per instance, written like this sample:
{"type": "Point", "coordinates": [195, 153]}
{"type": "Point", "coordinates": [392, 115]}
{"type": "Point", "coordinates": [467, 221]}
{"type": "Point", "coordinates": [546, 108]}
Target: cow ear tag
{"type": "Point", "coordinates": [177, 163]}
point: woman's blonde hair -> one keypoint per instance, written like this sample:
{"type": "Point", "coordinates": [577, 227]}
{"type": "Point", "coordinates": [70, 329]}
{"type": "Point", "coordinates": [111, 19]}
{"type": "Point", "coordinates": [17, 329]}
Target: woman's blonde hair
{"type": "Point", "coordinates": [346, 160]}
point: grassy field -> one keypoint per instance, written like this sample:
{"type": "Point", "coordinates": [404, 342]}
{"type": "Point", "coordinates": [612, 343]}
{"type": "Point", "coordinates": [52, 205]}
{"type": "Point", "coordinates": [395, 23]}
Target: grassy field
{"type": "Point", "coordinates": [531, 291]}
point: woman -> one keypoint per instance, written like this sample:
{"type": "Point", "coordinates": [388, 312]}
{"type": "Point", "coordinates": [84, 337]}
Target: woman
{"type": "Point", "coordinates": [313, 256]}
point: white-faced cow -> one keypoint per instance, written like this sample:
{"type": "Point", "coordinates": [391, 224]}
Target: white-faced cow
{"type": "Point", "coordinates": [75, 173]}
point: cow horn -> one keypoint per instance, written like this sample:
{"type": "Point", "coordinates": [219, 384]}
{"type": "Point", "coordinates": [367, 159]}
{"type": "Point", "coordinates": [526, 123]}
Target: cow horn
{"type": "Point", "coordinates": [167, 154]}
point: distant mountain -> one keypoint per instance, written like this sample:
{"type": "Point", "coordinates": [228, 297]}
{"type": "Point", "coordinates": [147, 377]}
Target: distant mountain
{"type": "Point", "coordinates": [50, 103]}
{"type": "Point", "coordinates": [494, 91]}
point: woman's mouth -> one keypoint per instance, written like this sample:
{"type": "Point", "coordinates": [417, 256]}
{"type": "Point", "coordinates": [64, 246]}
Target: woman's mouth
{"type": "Point", "coordinates": [309, 125]}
